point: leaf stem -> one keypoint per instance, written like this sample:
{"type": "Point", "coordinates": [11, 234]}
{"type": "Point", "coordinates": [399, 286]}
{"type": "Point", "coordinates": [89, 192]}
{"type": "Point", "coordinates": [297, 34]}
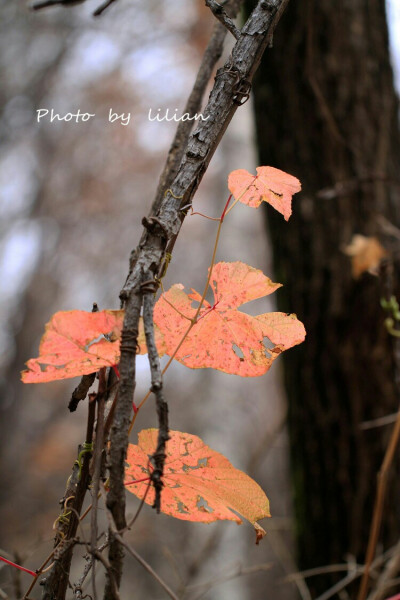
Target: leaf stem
{"type": "Point", "coordinates": [12, 564]}
{"type": "Point", "coordinates": [194, 320]}
{"type": "Point", "coordinates": [240, 196]}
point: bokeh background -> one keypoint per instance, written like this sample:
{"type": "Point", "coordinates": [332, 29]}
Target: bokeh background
{"type": "Point", "coordinates": [72, 197]}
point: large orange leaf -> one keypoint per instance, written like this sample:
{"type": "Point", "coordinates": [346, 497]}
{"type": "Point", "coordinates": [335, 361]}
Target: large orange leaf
{"type": "Point", "coordinates": [74, 344]}
{"type": "Point", "coordinates": [200, 484]}
{"type": "Point", "coordinates": [272, 185]}
{"type": "Point", "coordinates": [225, 338]}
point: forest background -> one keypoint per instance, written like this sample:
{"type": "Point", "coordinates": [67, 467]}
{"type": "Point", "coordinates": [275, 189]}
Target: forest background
{"type": "Point", "coordinates": [72, 200]}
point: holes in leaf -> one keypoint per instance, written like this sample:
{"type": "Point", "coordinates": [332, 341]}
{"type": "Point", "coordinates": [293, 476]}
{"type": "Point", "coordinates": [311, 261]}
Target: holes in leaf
{"type": "Point", "coordinates": [238, 352]}
{"type": "Point", "coordinates": [203, 505]}
{"type": "Point", "coordinates": [181, 508]}
{"type": "Point", "coordinates": [215, 286]}
{"type": "Point", "coordinates": [201, 462]}
{"type": "Point", "coordinates": [186, 453]}
{"type": "Point", "coordinates": [268, 345]}
{"type": "Point", "coordinates": [95, 341]}
{"type": "Point", "coordinates": [44, 367]}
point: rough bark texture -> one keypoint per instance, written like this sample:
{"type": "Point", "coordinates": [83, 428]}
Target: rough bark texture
{"type": "Point", "coordinates": [326, 111]}
{"type": "Point", "coordinates": [230, 90]}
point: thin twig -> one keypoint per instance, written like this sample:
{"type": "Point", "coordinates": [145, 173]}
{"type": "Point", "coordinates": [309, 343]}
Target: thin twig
{"type": "Point", "coordinates": [146, 566]}
{"type": "Point", "coordinates": [280, 549]}
{"type": "Point", "coordinates": [223, 18]}
{"type": "Point", "coordinates": [119, 435]}
{"type": "Point", "coordinates": [56, 583]}
{"type": "Point", "coordinates": [80, 392]}
{"type": "Point", "coordinates": [143, 500]}
{"type": "Point", "coordinates": [140, 559]}
{"type": "Point", "coordinates": [48, 3]}
{"type": "Point", "coordinates": [176, 152]}
{"type": "Point", "coordinates": [342, 188]}
{"type": "Point", "coordinates": [380, 422]}
{"type": "Point", "coordinates": [197, 562]}
{"type": "Point", "coordinates": [158, 458]}
{"type": "Point", "coordinates": [85, 383]}
{"type": "Point", "coordinates": [385, 579]}
{"type": "Point", "coordinates": [239, 571]}
{"type": "Point", "coordinates": [158, 240]}
{"type": "Point", "coordinates": [195, 318]}
{"type": "Point", "coordinates": [110, 574]}
{"type": "Point", "coordinates": [340, 585]}
{"type": "Point", "coordinates": [99, 11]}
{"type": "Point", "coordinates": [97, 467]}
{"type": "Point", "coordinates": [319, 571]}
{"type": "Point", "coordinates": [378, 506]}
{"type": "Point", "coordinates": [89, 563]}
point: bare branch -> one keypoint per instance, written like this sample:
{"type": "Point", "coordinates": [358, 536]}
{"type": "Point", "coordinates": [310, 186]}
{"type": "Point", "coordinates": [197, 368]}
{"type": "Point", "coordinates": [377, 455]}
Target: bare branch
{"type": "Point", "coordinates": [231, 89]}
{"type": "Point", "coordinates": [280, 549]}
{"type": "Point", "coordinates": [119, 435]}
{"type": "Point", "coordinates": [85, 383]}
{"type": "Point", "coordinates": [146, 566]}
{"type": "Point", "coordinates": [176, 152]}
{"type": "Point", "coordinates": [387, 279]}
{"type": "Point", "coordinates": [137, 556]}
{"type": "Point", "coordinates": [392, 568]}
{"type": "Point", "coordinates": [97, 466]}
{"type": "Point", "coordinates": [89, 564]}
{"type": "Point", "coordinates": [99, 11]}
{"type": "Point", "coordinates": [239, 571]}
{"type": "Point", "coordinates": [55, 585]}
{"type": "Point", "coordinates": [380, 422]}
{"type": "Point", "coordinates": [47, 3]}
{"type": "Point", "coordinates": [81, 390]}
{"type": "Point", "coordinates": [223, 18]}
{"type": "Point", "coordinates": [149, 287]}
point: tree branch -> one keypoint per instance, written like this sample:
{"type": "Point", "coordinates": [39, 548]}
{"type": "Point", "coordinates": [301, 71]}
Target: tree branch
{"type": "Point", "coordinates": [99, 11]}
{"type": "Point", "coordinates": [56, 583]}
{"type": "Point", "coordinates": [211, 56]}
{"type": "Point", "coordinates": [47, 3]}
{"type": "Point", "coordinates": [119, 437]}
{"type": "Point", "coordinates": [137, 556]}
{"type": "Point", "coordinates": [97, 466]}
{"type": "Point", "coordinates": [85, 383]}
{"type": "Point", "coordinates": [159, 455]}
{"type": "Point", "coordinates": [221, 15]}
{"type": "Point", "coordinates": [231, 89]}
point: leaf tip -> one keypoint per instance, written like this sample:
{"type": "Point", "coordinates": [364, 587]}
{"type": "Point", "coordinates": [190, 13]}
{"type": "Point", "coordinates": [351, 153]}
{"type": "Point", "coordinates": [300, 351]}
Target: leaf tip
{"type": "Point", "coordinates": [260, 533]}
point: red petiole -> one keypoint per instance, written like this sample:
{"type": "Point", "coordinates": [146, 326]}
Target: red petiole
{"type": "Point", "coordinates": [8, 562]}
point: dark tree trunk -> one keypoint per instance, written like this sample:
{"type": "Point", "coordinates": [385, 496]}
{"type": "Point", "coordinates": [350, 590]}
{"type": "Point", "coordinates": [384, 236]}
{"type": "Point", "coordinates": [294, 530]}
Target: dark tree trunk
{"type": "Point", "coordinates": [326, 111]}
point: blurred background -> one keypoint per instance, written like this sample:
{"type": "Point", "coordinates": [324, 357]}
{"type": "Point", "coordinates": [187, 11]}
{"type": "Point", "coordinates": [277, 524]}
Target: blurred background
{"type": "Point", "coordinates": [72, 196]}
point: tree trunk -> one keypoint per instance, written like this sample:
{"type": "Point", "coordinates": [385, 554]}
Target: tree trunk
{"type": "Point", "coordinates": [326, 111]}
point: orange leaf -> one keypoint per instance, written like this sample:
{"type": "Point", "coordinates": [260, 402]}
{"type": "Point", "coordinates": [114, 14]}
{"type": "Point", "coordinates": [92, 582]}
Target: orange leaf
{"type": "Point", "coordinates": [225, 338]}
{"type": "Point", "coordinates": [271, 185]}
{"type": "Point", "coordinates": [200, 484]}
{"type": "Point", "coordinates": [366, 254]}
{"type": "Point", "coordinates": [74, 344]}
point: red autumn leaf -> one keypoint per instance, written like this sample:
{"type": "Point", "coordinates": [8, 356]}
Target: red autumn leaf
{"type": "Point", "coordinates": [225, 338]}
{"type": "Point", "coordinates": [200, 484]}
{"type": "Point", "coordinates": [74, 344]}
{"type": "Point", "coordinates": [272, 185]}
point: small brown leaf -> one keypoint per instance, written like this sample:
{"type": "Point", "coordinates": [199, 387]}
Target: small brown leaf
{"type": "Point", "coordinates": [366, 254]}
